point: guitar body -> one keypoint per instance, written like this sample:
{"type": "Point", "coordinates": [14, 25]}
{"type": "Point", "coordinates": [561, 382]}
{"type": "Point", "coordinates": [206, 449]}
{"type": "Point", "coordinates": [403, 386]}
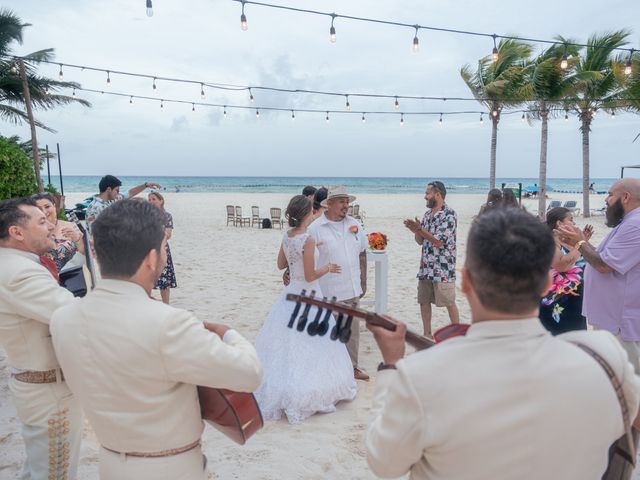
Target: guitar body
{"type": "Point", "coordinates": [235, 414]}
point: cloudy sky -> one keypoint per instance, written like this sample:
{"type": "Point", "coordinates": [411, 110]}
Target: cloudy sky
{"type": "Point", "coordinates": [202, 40]}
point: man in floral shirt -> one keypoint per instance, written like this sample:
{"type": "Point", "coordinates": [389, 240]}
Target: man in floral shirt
{"type": "Point", "coordinates": [437, 236]}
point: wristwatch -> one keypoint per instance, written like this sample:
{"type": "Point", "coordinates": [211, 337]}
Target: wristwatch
{"type": "Point", "coordinates": [385, 366]}
{"type": "Point", "coordinates": [579, 244]}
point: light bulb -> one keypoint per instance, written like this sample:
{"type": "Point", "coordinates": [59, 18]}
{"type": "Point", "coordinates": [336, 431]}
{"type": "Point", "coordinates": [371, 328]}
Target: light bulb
{"type": "Point", "coordinates": [293, 115]}
{"type": "Point", "coordinates": [202, 95]}
{"type": "Point", "coordinates": [14, 69]}
{"type": "Point", "coordinates": [327, 117]}
{"type": "Point", "coordinates": [440, 121]}
{"type": "Point", "coordinates": [397, 105]}
{"type": "Point", "coordinates": [566, 117]}
{"type": "Point", "coordinates": [628, 68]}
{"type": "Point", "coordinates": [257, 113]}
{"type": "Point", "coordinates": [613, 115]}
{"type": "Point", "coordinates": [193, 107]}
{"type": "Point", "coordinates": [46, 90]}
{"type": "Point", "coordinates": [564, 63]}
{"type": "Point", "coordinates": [224, 112]}
{"type": "Point", "coordinates": [130, 100]}
{"type": "Point", "coordinates": [481, 119]}
{"type": "Point", "coordinates": [347, 105]}
{"type": "Point", "coordinates": [523, 117]}
{"type": "Point", "coordinates": [363, 119]}
{"type": "Point", "coordinates": [243, 23]}
{"type": "Point", "coordinates": [494, 113]}
{"type": "Point", "coordinates": [332, 30]}
{"type": "Point", "coordinates": [593, 112]}
{"type": "Point", "coordinates": [416, 43]}
{"type": "Point", "coordinates": [161, 103]}
{"type": "Point", "coordinates": [74, 92]}
{"type": "Point", "coordinates": [494, 52]}
{"type": "Point", "coordinates": [108, 79]}
{"type": "Point", "coordinates": [402, 119]}
{"type": "Point", "coordinates": [149, 8]}
{"type": "Point", "coordinates": [154, 83]}
{"type": "Point", "coordinates": [60, 74]}
{"type": "Point", "coordinates": [250, 96]}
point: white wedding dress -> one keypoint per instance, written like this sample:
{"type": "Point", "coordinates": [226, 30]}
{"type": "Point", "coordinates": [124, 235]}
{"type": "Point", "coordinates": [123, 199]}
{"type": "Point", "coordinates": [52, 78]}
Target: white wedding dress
{"type": "Point", "coordinates": [303, 375]}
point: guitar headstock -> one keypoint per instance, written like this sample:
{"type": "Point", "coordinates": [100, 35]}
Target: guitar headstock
{"type": "Point", "coordinates": [320, 324]}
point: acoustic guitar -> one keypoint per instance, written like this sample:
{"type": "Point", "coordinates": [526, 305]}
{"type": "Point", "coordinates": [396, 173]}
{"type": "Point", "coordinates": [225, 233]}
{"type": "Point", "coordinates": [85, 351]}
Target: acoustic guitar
{"type": "Point", "coordinates": [342, 328]}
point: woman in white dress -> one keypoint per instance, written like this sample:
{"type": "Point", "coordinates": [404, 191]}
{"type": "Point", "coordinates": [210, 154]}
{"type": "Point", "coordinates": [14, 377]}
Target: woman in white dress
{"type": "Point", "coordinates": [303, 374]}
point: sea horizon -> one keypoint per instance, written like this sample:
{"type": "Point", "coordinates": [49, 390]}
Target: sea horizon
{"type": "Point", "coordinates": [286, 184]}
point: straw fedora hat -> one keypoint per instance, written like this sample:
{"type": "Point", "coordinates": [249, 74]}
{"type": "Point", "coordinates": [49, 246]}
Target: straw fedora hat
{"type": "Point", "coordinates": [339, 191]}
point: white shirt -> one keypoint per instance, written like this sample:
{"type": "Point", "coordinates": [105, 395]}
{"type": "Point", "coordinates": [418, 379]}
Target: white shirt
{"type": "Point", "coordinates": [506, 401]}
{"type": "Point", "coordinates": [340, 243]}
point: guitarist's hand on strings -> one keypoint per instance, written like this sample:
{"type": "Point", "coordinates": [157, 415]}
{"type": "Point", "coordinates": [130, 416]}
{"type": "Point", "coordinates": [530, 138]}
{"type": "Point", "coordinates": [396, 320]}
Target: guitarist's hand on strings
{"type": "Point", "coordinates": [391, 344]}
{"type": "Point", "coordinates": [217, 328]}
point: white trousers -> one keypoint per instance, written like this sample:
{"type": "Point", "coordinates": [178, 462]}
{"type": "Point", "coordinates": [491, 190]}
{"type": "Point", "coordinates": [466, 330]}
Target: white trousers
{"type": "Point", "coordinates": [184, 466]}
{"type": "Point", "coordinates": [51, 428]}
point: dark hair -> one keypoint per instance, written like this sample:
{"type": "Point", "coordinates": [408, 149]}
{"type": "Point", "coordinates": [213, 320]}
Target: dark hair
{"type": "Point", "coordinates": [108, 181]}
{"type": "Point", "coordinates": [509, 198]}
{"type": "Point", "coordinates": [319, 197]}
{"type": "Point", "coordinates": [11, 214]}
{"type": "Point", "coordinates": [159, 196]}
{"type": "Point", "coordinates": [43, 196]}
{"type": "Point", "coordinates": [439, 187]}
{"type": "Point", "coordinates": [494, 197]}
{"type": "Point", "coordinates": [124, 234]}
{"type": "Point", "coordinates": [556, 215]}
{"type": "Point", "coordinates": [309, 190]}
{"type": "Point", "coordinates": [299, 207]}
{"type": "Point", "coordinates": [509, 254]}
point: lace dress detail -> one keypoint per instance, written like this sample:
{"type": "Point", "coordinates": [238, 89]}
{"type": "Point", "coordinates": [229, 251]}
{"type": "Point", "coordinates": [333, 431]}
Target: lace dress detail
{"type": "Point", "coordinates": [303, 375]}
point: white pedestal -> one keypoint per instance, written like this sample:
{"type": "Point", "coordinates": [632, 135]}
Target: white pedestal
{"type": "Point", "coordinates": [381, 286]}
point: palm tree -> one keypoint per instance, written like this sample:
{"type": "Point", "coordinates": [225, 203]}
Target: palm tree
{"type": "Point", "coordinates": [548, 81]}
{"type": "Point", "coordinates": [630, 81]}
{"type": "Point", "coordinates": [595, 86]}
{"type": "Point", "coordinates": [497, 85]}
{"type": "Point", "coordinates": [42, 89]}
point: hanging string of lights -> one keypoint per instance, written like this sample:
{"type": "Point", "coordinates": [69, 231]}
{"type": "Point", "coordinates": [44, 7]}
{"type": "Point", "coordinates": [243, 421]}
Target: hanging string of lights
{"type": "Point", "coordinates": [417, 27]}
{"type": "Point", "coordinates": [227, 107]}
{"type": "Point", "coordinates": [109, 72]}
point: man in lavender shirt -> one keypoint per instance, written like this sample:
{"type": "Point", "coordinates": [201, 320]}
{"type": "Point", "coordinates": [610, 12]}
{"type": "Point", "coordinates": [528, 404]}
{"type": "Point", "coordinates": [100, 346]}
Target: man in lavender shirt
{"type": "Point", "coordinates": [612, 277]}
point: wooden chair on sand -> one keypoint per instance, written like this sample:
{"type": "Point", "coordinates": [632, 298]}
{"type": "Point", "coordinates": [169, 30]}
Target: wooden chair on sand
{"type": "Point", "coordinates": [231, 215]}
{"type": "Point", "coordinates": [356, 212]}
{"type": "Point", "coordinates": [350, 211]}
{"type": "Point", "coordinates": [255, 216]}
{"type": "Point", "coordinates": [240, 220]}
{"type": "Point", "coordinates": [276, 217]}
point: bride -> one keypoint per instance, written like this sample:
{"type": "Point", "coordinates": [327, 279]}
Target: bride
{"type": "Point", "coordinates": [303, 375]}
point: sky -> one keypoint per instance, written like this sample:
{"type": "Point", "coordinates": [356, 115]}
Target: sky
{"type": "Point", "coordinates": [202, 40]}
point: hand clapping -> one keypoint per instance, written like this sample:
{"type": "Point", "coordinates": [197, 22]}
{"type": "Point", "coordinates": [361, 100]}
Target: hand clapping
{"type": "Point", "coordinates": [413, 225]}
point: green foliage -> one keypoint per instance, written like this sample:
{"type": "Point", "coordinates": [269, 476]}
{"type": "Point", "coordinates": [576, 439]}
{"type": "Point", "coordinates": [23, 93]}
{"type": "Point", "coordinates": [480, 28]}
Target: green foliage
{"type": "Point", "coordinates": [17, 178]}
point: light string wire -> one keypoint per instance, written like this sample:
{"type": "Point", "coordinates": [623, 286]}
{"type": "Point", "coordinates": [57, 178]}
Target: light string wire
{"type": "Point", "coordinates": [227, 106]}
{"type": "Point", "coordinates": [418, 27]}
{"type": "Point", "coordinates": [248, 88]}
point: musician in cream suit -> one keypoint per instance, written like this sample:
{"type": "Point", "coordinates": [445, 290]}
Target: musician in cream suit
{"type": "Point", "coordinates": [134, 362]}
{"type": "Point", "coordinates": [508, 400]}
{"type": "Point", "coordinates": [29, 294]}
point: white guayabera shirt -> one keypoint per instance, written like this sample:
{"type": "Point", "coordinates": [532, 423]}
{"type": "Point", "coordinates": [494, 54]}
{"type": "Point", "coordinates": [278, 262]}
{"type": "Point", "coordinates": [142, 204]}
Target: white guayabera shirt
{"type": "Point", "coordinates": [340, 243]}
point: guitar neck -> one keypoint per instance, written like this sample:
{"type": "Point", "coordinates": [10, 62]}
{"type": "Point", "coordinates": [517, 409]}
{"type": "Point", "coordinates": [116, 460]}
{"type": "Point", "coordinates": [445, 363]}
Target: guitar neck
{"type": "Point", "coordinates": [87, 248]}
{"type": "Point", "coordinates": [419, 342]}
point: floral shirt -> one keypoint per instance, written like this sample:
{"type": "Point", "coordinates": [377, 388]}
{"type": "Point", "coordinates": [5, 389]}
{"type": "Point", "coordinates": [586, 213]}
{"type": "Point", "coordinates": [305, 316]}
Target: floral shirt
{"type": "Point", "coordinates": [96, 207]}
{"type": "Point", "coordinates": [64, 251]}
{"type": "Point", "coordinates": [439, 264]}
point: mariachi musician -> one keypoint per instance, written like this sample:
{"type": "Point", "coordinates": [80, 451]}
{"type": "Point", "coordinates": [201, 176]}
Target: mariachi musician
{"type": "Point", "coordinates": [134, 363]}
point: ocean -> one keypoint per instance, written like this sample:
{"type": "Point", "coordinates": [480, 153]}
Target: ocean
{"type": "Point", "coordinates": [392, 185]}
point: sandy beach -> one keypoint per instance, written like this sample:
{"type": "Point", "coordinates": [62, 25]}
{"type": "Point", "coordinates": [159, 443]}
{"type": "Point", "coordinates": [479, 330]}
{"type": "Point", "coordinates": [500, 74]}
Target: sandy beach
{"type": "Point", "coordinates": [229, 275]}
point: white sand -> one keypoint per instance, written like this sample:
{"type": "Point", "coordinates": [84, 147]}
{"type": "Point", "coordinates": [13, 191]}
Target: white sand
{"type": "Point", "coordinates": [229, 275]}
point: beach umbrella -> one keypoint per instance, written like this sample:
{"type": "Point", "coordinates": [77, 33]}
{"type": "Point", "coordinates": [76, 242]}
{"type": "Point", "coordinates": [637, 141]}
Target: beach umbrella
{"type": "Point", "coordinates": [531, 188]}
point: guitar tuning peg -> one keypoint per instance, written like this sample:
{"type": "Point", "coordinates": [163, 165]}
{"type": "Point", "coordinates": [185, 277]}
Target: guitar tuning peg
{"type": "Point", "coordinates": [296, 310]}
{"type": "Point", "coordinates": [302, 321]}
{"type": "Point", "coordinates": [312, 329]}
{"type": "Point", "coordinates": [335, 331]}
{"type": "Point", "coordinates": [323, 326]}
{"type": "Point", "coordinates": [345, 332]}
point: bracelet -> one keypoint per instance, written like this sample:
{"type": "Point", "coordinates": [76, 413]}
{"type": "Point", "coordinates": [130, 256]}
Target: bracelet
{"type": "Point", "coordinates": [384, 366]}
{"type": "Point", "coordinates": [579, 244]}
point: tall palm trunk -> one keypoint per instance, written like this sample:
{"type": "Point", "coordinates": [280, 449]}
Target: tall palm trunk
{"type": "Point", "coordinates": [542, 177]}
{"type": "Point", "coordinates": [494, 143]}
{"type": "Point", "coordinates": [585, 118]}
{"type": "Point", "coordinates": [32, 124]}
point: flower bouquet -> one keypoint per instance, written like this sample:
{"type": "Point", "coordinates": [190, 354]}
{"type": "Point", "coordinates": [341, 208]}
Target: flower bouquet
{"type": "Point", "coordinates": [377, 242]}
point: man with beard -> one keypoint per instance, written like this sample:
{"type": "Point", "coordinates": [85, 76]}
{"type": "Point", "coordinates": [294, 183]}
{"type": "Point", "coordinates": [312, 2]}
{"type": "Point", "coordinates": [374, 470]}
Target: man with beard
{"type": "Point", "coordinates": [437, 236]}
{"type": "Point", "coordinates": [612, 276]}
{"type": "Point", "coordinates": [134, 363]}
{"type": "Point", "coordinates": [50, 415]}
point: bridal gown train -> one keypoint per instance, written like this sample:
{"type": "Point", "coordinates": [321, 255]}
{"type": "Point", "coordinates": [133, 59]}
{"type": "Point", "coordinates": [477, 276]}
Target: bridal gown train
{"type": "Point", "coordinates": [303, 375]}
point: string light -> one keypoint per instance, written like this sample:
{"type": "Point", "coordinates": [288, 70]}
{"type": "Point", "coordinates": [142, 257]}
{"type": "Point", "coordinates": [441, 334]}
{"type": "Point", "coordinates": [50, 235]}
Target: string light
{"type": "Point", "coordinates": [202, 95]}
{"type": "Point", "coordinates": [402, 119]}
{"type": "Point", "coordinates": [60, 74]}
{"type": "Point", "coordinates": [523, 117]}
{"type": "Point", "coordinates": [224, 111]}
{"type": "Point", "coordinates": [154, 83]}
{"type": "Point", "coordinates": [130, 100]}
{"type": "Point", "coordinates": [332, 30]}
{"type": "Point", "coordinates": [46, 90]}
{"type": "Point", "coordinates": [363, 119]}
{"type": "Point", "coordinates": [161, 103]}
{"type": "Point", "coordinates": [193, 107]}
{"type": "Point", "coordinates": [566, 115]}
{"type": "Point", "coordinates": [243, 20]}
{"type": "Point", "coordinates": [613, 114]}
{"type": "Point", "coordinates": [347, 105]}
{"type": "Point", "coordinates": [293, 115]}
{"type": "Point", "coordinates": [74, 92]}
{"type": "Point", "coordinates": [494, 113]}
{"type": "Point", "coordinates": [494, 53]}
{"type": "Point", "coordinates": [481, 119]}
{"type": "Point", "coordinates": [327, 117]}
{"type": "Point", "coordinates": [108, 79]}
{"type": "Point", "coordinates": [440, 121]}
{"type": "Point", "coordinates": [628, 68]}
{"type": "Point", "coordinates": [416, 43]}
{"type": "Point", "coordinates": [397, 105]}
{"type": "Point", "coordinates": [564, 63]}
{"type": "Point", "coordinates": [149, 8]}
{"type": "Point", "coordinates": [250, 96]}
{"type": "Point", "coordinates": [14, 69]}
{"type": "Point", "coordinates": [257, 113]}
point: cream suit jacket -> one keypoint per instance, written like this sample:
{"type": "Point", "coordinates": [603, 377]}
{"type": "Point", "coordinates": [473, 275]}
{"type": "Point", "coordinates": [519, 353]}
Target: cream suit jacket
{"type": "Point", "coordinates": [506, 401]}
{"type": "Point", "coordinates": [28, 297]}
{"type": "Point", "coordinates": [134, 363]}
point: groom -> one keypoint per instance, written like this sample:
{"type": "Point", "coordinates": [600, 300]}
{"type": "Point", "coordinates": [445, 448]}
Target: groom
{"type": "Point", "coordinates": [340, 239]}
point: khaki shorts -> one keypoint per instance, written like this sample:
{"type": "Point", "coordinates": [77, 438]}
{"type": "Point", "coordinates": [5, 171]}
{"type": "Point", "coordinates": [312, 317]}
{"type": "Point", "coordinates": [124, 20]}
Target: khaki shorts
{"type": "Point", "coordinates": [439, 293]}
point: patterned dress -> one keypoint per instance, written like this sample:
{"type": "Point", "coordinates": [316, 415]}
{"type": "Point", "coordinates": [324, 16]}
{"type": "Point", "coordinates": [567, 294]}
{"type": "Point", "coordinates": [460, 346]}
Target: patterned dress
{"type": "Point", "coordinates": [561, 308]}
{"type": "Point", "coordinates": [168, 277]}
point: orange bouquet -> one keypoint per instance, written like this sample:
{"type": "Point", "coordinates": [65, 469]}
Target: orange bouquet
{"type": "Point", "coordinates": [377, 241]}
